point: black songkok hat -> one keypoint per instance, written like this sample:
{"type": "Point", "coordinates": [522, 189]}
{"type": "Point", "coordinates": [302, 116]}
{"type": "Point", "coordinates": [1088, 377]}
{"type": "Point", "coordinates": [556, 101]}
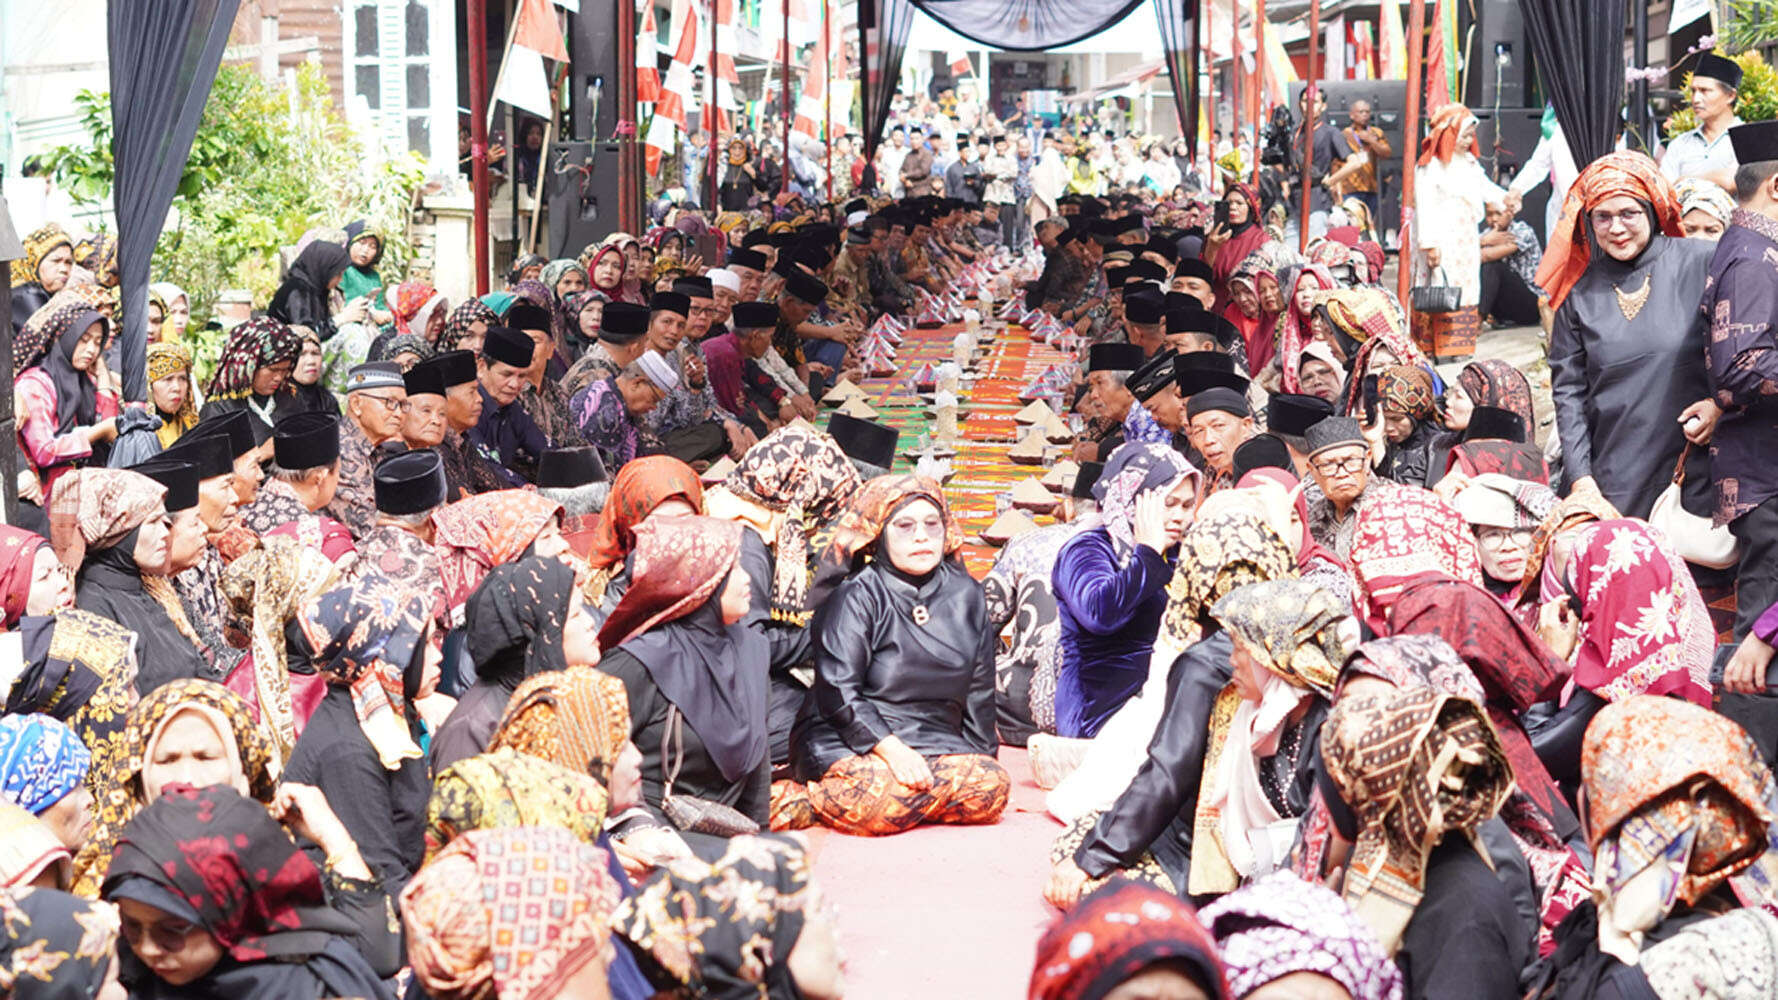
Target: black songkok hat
{"type": "Point", "coordinates": [1262, 451]}
{"type": "Point", "coordinates": [1293, 413]}
{"type": "Point", "coordinates": [567, 468]}
{"type": "Point", "coordinates": [1155, 374]}
{"type": "Point", "coordinates": [1715, 67]}
{"type": "Point", "coordinates": [1146, 270]}
{"type": "Point", "coordinates": [694, 286]}
{"type": "Point", "coordinates": [1491, 423]}
{"type": "Point", "coordinates": [747, 257]}
{"type": "Point", "coordinates": [1114, 358]}
{"type": "Point", "coordinates": [209, 454]}
{"type": "Point", "coordinates": [412, 482]}
{"type": "Point", "coordinates": [508, 346]}
{"type": "Point", "coordinates": [670, 302]}
{"type": "Point", "coordinates": [754, 315]}
{"type": "Point", "coordinates": [1218, 398]}
{"type": "Point", "coordinates": [1165, 247]}
{"type": "Point", "coordinates": [306, 440]}
{"type": "Point", "coordinates": [864, 440]}
{"type": "Point", "coordinates": [423, 382]}
{"type": "Point", "coordinates": [1755, 142]}
{"type": "Point", "coordinates": [180, 479]}
{"type": "Point", "coordinates": [1192, 267]}
{"type": "Point", "coordinates": [234, 425]}
{"type": "Point", "coordinates": [807, 287]}
{"type": "Point", "coordinates": [522, 315]}
{"type": "Point", "coordinates": [1143, 307]}
{"type": "Point", "coordinates": [1201, 371]}
{"type": "Point", "coordinates": [622, 323]}
{"type": "Point", "coordinates": [454, 368]}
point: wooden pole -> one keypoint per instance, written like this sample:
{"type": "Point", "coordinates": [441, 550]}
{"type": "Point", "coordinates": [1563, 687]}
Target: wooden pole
{"type": "Point", "coordinates": [1410, 144]}
{"type": "Point", "coordinates": [478, 135]}
{"type": "Point", "coordinates": [549, 128]}
{"type": "Point", "coordinates": [1309, 91]}
{"type": "Point", "coordinates": [1259, 82]}
{"type": "Point", "coordinates": [784, 154]}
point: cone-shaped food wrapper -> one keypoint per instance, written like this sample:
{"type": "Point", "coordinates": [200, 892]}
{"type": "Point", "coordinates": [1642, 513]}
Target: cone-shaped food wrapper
{"type": "Point", "coordinates": [1007, 527]}
{"type": "Point", "coordinates": [1029, 494]}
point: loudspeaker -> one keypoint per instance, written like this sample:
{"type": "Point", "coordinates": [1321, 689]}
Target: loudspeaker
{"type": "Point", "coordinates": [1500, 70]}
{"type": "Point", "coordinates": [1388, 101]}
{"type": "Point", "coordinates": [580, 180]}
{"type": "Point", "coordinates": [593, 69]}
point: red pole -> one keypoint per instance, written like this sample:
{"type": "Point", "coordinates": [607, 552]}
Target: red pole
{"type": "Point", "coordinates": [1410, 135]}
{"type": "Point", "coordinates": [1259, 82]}
{"type": "Point", "coordinates": [1203, 88]}
{"type": "Point", "coordinates": [1235, 75]}
{"type": "Point", "coordinates": [628, 211]}
{"type": "Point", "coordinates": [784, 174]}
{"type": "Point", "coordinates": [710, 111]}
{"type": "Point", "coordinates": [827, 97]}
{"type": "Point", "coordinates": [1309, 88]}
{"type": "Point", "coordinates": [478, 135]}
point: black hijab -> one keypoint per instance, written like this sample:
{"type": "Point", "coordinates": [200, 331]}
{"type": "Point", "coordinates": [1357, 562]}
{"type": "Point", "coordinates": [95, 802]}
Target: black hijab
{"type": "Point", "coordinates": [302, 300]}
{"type": "Point", "coordinates": [513, 621]}
{"type": "Point", "coordinates": [77, 394]}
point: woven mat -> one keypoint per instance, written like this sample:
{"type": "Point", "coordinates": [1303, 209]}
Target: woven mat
{"type": "Point", "coordinates": [982, 469]}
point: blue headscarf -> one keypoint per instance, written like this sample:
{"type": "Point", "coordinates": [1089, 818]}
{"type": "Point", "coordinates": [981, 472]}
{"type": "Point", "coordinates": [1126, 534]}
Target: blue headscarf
{"type": "Point", "coordinates": [41, 761]}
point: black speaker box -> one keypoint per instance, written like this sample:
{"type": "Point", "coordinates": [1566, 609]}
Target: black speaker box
{"type": "Point", "coordinates": [580, 181]}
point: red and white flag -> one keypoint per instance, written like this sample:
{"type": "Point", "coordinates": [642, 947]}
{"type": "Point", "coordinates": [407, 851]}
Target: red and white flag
{"type": "Point", "coordinates": [648, 56]}
{"type": "Point", "coordinates": [811, 107]}
{"type": "Point", "coordinates": [677, 89]}
{"type": "Point", "coordinates": [960, 64]}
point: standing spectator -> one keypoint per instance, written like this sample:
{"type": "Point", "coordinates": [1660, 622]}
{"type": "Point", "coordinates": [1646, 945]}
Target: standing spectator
{"type": "Point", "coordinates": [917, 167]}
{"type": "Point", "coordinates": [741, 180]}
{"type": "Point", "coordinates": [1324, 149]}
{"type": "Point", "coordinates": [1357, 177]}
{"type": "Point", "coordinates": [1706, 151]}
{"type": "Point", "coordinates": [1451, 194]}
{"type": "Point", "coordinates": [889, 161]}
{"type": "Point", "coordinates": [692, 154]}
{"type": "Point", "coordinates": [1510, 255]}
{"type": "Point", "coordinates": [1001, 171]}
{"type": "Point", "coordinates": [964, 179]}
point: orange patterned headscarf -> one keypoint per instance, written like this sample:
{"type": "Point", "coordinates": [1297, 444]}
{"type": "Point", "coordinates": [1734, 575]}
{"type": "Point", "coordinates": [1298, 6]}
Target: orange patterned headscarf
{"type": "Point", "coordinates": [1442, 130]}
{"type": "Point", "coordinates": [641, 485]}
{"type": "Point", "coordinates": [1620, 173]}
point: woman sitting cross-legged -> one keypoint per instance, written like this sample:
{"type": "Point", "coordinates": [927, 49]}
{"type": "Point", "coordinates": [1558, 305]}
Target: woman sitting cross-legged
{"type": "Point", "coordinates": [899, 728]}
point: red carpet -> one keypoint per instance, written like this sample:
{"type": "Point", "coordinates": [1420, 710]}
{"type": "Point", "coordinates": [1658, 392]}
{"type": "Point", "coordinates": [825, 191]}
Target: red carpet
{"type": "Point", "coordinates": [943, 912]}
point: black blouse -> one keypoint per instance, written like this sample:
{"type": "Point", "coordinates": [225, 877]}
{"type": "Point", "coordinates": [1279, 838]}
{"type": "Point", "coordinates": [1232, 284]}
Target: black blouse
{"type": "Point", "coordinates": [162, 652]}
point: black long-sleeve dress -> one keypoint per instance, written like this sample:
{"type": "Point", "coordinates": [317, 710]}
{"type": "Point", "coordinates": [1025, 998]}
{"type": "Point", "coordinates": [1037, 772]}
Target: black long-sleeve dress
{"type": "Point", "coordinates": [790, 646]}
{"type": "Point", "coordinates": [110, 584]}
{"type": "Point", "coordinates": [880, 672]}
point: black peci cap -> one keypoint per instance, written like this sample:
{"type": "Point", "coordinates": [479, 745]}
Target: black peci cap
{"type": "Point", "coordinates": [677, 302]}
{"type": "Point", "coordinates": [454, 368]}
{"type": "Point", "coordinates": [694, 286]}
{"type": "Point", "coordinates": [1198, 371]}
{"type": "Point", "coordinates": [1114, 358]}
{"type": "Point", "coordinates": [567, 468]}
{"type": "Point", "coordinates": [412, 482]}
{"type": "Point", "coordinates": [747, 257]}
{"type": "Point", "coordinates": [1293, 413]}
{"type": "Point", "coordinates": [235, 426]}
{"type": "Point", "coordinates": [1155, 375]}
{"type": "Point", "coordinates": [623, 323]}
{"type": "Point", "coordinates": [802, 285]}
{"type": "Point", "coordinates": [1755, 142]}
{"type": "Point", "coordinates": [1715, 67]}
{"type": "Point", "coordinates": [180, 479]}
{"type": "Point", "coordinates": [523, 315]}
{"type": "Point", "coordinates": [864, 440]}
{"type": "Point", "coordinates": [1262, 451]}
{"type": "Point", "coordinates": [508, 346]}
{"type": "Point", "coordinates": [1145, 307]}
{"type": "Point", "coordinates": [1192, 267]}
{"type": "Point", "coordinates": [420, 381]}
{"type": "Point", "coordinates": [306, 440]}
{"type": "Point", "coordinates": [755, 315]}
{"type": "Point", "coordinates": [209, 454]}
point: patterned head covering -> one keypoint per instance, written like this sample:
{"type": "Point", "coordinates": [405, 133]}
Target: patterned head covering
{"type": "Point", "coordinates": [457, 324]}
{"type": "Point", "coordinates": [1116, 932]}
{"type": "Point", "coordinates": [1132, 470]}
{"type": "Point", "coordinates": [1294, 628]}
{"type": "Point", "coordinates": [1218, 554]}
{"type": "Point", "coordinates": [1408, 390]}
{"type": "Point", "coordinates": [41, 761]}
{"type": "Point", "coordinates": [46, 327]}
{"type": "Point", "coordinates": [18, 559]}
{"type": "Point", "coordinates": [1583, 505]}
{"type": "Point", "coordinates": [1724, 958]}
{"type": "Point", "coordinates": [38, 245]}
{"type": "Point", "coordinates": [85, 675]}
{"type": "Point", "coordinates": [255, 344]}
{"type": "Point", "coordinates": [578, 718]}
{"type": "Point", "coordinates": [28, 847]}
{"type": "Point", "coordinates": [509, 913]}
{"type": "Point", "coordinates": [94, 508]}
{"type": "Point", "coordinates": [1413, 765]}
{"type": "Point", "coordinates": [391, 348]}
{"type": "Point", "coordinates": [411, 303]}
{"type": "Point", "coordinates": [1401, 532]}
{"type": "Point", "coordinates": [505, 788]}
{"type": "Point", "coordinates": [1292, 328]}
{"type": "Point", "coordinates": [641, 485]}
{"type": "Point", "coordinates": [97, 253]}
{"type": "Point", "coordinates": [1501, 501]}
{"type": "Point", "coordinates": [1644, 628]}
{"type": "Point", "coordinates": [802, 475]}
{"type": "Point", "coordinates": [1679, 787]}
{"type": "Point", "coordinates": [480, 532]}
{"type": "Point", "coordinates": [167, 358]}
{"type": "Point", "coordinates": [680, 562]}
{"type": "Point", "coordinates": [1409, 661]}
{"type": "Point", "coordinates": [726, 934]}
{"type": "Point", "coordinates": [367, 636]}
{"type": "Point", "coordinates": [54, 944]}
{"type": "Point", "coordinates": [1496, 383]}
{"type": "Point", "coordinates": [515, 617]}
{"type": "Point", "coordinates": [1696, 194]}
{"type": "Point", "coordinates": [553, 271]}
{"type": "Point", "coordinates": [269, 586]}
{"type": "Point", "coordinates": [862, 523]}
{"type": "Point", "coordinates": [1624, 172]}
{"type": "Point", "coordinates": [224, 857]}
{"type": "Point", "coordinates": [1443, 127]}
{"type": "Point", "coordinates": [1281, 925]}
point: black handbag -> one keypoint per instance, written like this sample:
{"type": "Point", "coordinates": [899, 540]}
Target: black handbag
{"type": "Point", "coordinates": [1437, 298]}
{"type": "Point", "coordinates": [688, 812]}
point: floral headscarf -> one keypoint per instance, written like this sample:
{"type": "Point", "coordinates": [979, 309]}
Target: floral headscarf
{"type": "Point", "coordinates": [801, 475]}
{"type": "Point", "coordinates": [509, 913]}
{"type": "Point", "coordinates": [641, 485]}
{"type": "Point", "coordinates": [1413, 765]}
{"type": "Point", "coordinates": [457, 324]}
{"type": "Point", "coordinates": [94, 508]}
{"type": "Point", "coordinates": [679, 564]}
{"type": "Point", "coordinates": [1132, 470]}
{"type": "Point", "coordinates": [412, 303]}
{"type": "Point", "coordinates": [505, 788]}
{"type": "Point", "coordinates": [1497, 383]}
{"type": "Point", "coordinates": [54, 944]}
{"type": "Point", "coordinates": [41, 761]}
{"type": "Point", "coordinates": [366, 636]}
{"type": "Point", "coordinates": [1400, 533]}
{"type": "Point", "coordinates": [578, 718]}
{"type": "Point", "coordinates": [167, 358]}
{"type": "Point", "coordinates": [1625, 172]}
{"type": "Point", "coordinates": [1644, 628]}
{"type": "Point", "coordinates": [255, 344]}
{"type": "Point", "coordinates": [1696, 194]}
{"type": "Point", "coordinates": [1583, 505]}
{"type": "Point", "coordinates": [1680, 787]}
{"type": "Point", "coordinates": [862, 522]}
{"type": "Point", "coordinates": [480, 532]}
{"type": "Point", "coordinates": [269, 586]}
{"type": "Point", "coordinates": [1408, 390]}
{"type": "Point", "coordinates": [1282, 925]}
{"type": "Point", "coordinates": [1293, 628]}
{"type": "Point", "coordinates": [39, 244]}
{"type": "Point", "coordinates": [1116, 932]}
{"type": "Point", "coordinates": [1218, 554]}
{"type": "Point", "coordinates": [1293, 326]}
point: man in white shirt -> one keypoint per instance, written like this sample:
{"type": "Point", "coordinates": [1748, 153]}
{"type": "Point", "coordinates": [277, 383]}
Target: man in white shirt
{"type": "Point", "coordinates": [895, 151]}
{"type": "Point", "coordinates": [1705, 151]}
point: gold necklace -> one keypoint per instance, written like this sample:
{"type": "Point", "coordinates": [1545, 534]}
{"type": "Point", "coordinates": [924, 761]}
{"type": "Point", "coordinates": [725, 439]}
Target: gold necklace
{"type": "Point", "coordinates": [1631, 303]}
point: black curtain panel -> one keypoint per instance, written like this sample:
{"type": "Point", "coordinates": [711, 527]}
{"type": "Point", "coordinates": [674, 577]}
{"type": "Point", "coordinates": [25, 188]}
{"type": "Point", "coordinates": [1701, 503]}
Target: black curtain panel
{"type": "Point", "coordinates": [1027, 25]}
{"type": "Point", "coordinates": [1179, 45]}
{"type": "Point", "coordinates": [164, 55]}
{"type": "Point", "coordinates": [1579, 46]}
{"type": "Point", "coordinates": [884, 27]}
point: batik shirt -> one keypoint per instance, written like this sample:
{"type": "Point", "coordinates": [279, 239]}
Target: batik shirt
{"type": "Point", "coordinates": [276, 504]}
{"type": "Point", "coordinates": [355, 504]}
{"type": "Point", "coordinates": [606, 423]}
{"type": "Point", "coordinates": [200, 594]}
{"type": "Point", "coordinates": [1741, 303]}
{"type": "Point", "coordinates": [1018, 592]}
{"type": "Point", "coordinates": [547, 406]}
{"type": "Point", "coordinates": [595, 363]}
{"type": "Point", "coordinates": [687, 405]}
{"type": "Point", "coordinates": [467, 472]}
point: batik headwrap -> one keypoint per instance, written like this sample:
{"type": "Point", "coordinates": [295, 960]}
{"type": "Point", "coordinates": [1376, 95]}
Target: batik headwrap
{"type": "Point", "coordinates": [1624, 172]}
{"type": "Point", "coordinates": [1677, 786]}
{"type": "Point", "coordinates": [1496, 383]}
{"type": "Point", "coordinates": [1292, 330]}
{"type": "Point", "coordinates": [97, 253]}
{"type": "Point", "coordinates": [679, 563]}
{"type": "Point", "coordinates": [862, 522]}
{"type": "Point", "coordinates": [84, 674]}
{"type": "Point", "coordinates": [1583, 505]}
{"type": "Point", "coordinates": [641, 485]}
{"type": "Point", "coordinates": [54, 945]}
{"type": "Point", "coordinates": [1282, 925]}
{"type": "Point", "coordinates": [578, 718]}
{"type": "Point", "coordinates": [406, 300]}
{"type": "Point", "coordinates": [726, 934]}
{"type": "Point", "coordinates": [94, 508]}
{"type": "Point", "coordinates": [39, 334]}
{"type": "Point", "coordinates": [1443, 127]}
{"type": "Point", "coordinates": [366, 636]}
{"type": "Point", "coordinates": [1408, 390]}
{"type": "Point", "coordinates": [41, 761]}
{"type": "Point", "coordinates": [268, 586]}
{"type": "Point", "coordinates": [1293, 628]}
{"type": "Point", "coordinates": [534, 292]}
{"type": "Point", "coordinates": [18, 559]}
{"type": "Point", "coordinates": [509, 914]}
{"type": "Point", "coordinates": [1115, 933]}
{"type": "Point", "coordinates": [480, 532]}
{"type": "Point", "coordinates": [167, 358]}
{"type": "Point", "coordinates": [1401, 532]}
{"type": "Point", "coordinates": [1413, 765]}
{"type": "Point", "coordinates": [119, 795]}
{"type": "Point", "coordinates": [1374, 319]}
{"type": "Point", "coordinates": [1132, 470]}
{"type": "Point", "coordinates": [1218, 554]}
{"type": "Point", "coordinates": [457, 324]}
{"type": "Point", "coordinates": [1644, 628]}
{"type": "Point", "coordinates": [255, 344]}
{"type": "Point", "coordinates": [505, 788]}
{"type": "Point", "coordinates": [801, 475]}
{"type": "Point", "coordinates": [1696, 194]}
{"type": "Point", "coordinates": [223, 855]}
{"type": "Point", "coordinates": [38, 245]}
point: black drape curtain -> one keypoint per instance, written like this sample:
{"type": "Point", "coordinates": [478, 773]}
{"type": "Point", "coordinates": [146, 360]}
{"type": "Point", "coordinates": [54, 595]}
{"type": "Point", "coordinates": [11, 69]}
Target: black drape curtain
{"type": "Point", "coordinates": [884, 27]}
{"type": "Point", "coordinates": [1179, 46]}
{"type": "Point", "coordinates": [1027, 25]}
{"type": "Point", "coordinates": [1579, 46]}
{"type": "Point", "coordinates": [164, 55]}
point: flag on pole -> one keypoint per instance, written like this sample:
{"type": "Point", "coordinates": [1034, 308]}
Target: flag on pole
{"type": "Point", "coordinates": [679, 87]}
{"type": "Point", "coordinates": [1392, 53]}
{"type": "Point", "coordinates": [537, 29]}
{"type": "Point", "coordinates": [960, 64]}
{"type": "Point", "coordinates": [1280, 71]}
{"type": "Point", "coordinates": [811, 107]}
{"type": "Point", "coordinates": [524, 83]}
{"type": "Point", "coordinates": [1441, 61]}
{"type": "Point", "coordinates": [1364, 52]}
{"type": "Point", "coordinates": [648, 56]}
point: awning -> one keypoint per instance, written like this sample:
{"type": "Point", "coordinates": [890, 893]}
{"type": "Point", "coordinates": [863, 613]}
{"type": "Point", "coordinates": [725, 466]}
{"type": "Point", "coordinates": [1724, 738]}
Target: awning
{"type": "Point", "coordinates": [1128, 78]}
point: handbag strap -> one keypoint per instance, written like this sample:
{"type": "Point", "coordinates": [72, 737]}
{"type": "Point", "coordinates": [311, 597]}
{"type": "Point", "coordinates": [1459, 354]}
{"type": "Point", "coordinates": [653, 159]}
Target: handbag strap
{"type": "Point", "coordinates": [672, 750]}
{"type": "Point", "coordinates": [1679, 467]}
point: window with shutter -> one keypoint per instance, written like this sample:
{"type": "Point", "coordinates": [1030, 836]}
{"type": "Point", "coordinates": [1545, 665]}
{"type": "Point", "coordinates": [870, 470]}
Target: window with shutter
{"type": "Point", "coordinates": [404, 76]}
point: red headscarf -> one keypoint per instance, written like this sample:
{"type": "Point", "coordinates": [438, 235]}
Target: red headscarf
{"type": "Point", "coordinates": [1442, 130]}
{"type": "Point", "coordinates": [1308, 550]}
{"type": "Point", "coordinates": [1117, 932]}
{"type": "Point", "coordinates": [1620, 173]}
{"type": "Point", "coordinates": [1243, 242]}
{"type": "Point", "coordinates": [1293, 325]}
{"type": "Point", "coordinates": [641, 485]}
{"type": "Point", "coordinates": [18, 557]}
{"type": "Point", "coordinates": [1644, 628]}
{"type": "Point", "coordinates": [480, 532]}
{"type": "Point", "coordinates": [1400, 533]}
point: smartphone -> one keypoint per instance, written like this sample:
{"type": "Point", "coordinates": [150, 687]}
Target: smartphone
{"type": "Point", "coordinates": [1220, 215]}
{"type": "Point", "coordinates": [1372, 400]}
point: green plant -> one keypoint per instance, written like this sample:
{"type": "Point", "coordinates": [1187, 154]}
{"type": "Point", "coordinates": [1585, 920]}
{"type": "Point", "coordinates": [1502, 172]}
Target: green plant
{"type": "Point", "coordinates": [1756, 101]}
{"type": "Point", "coordinates": [1748, 24]}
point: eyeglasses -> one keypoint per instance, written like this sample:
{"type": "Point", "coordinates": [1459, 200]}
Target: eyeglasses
{"type": "Point", "coordinates": [1492, 536]}
{"type": "Point", "coordinates": [1350, 466]}
{"type": "Point", "coordinates": [1629, 217]}
{"type": "Point", "coordinates": [167, 935]}
{"type": "Point", "coordinates": [398, 405]}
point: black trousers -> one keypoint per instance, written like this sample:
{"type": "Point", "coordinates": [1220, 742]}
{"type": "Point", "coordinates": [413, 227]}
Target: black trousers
{"type": "Point", "coordinates": [1756, 588]}
{"type": "Point", "coordinates": [1505, 296]}
{"type": "Point", "coordinates": [705, 442]}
